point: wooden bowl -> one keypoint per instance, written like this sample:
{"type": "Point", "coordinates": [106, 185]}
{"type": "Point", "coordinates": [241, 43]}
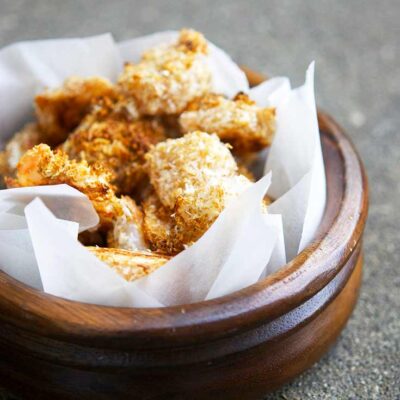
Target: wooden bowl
{"type": "Point", "coordinates": [238, 346]}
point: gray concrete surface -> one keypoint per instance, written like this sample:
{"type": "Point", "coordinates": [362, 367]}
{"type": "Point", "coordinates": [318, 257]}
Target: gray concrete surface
{"type": "Point", "coordinates": [356, 45]}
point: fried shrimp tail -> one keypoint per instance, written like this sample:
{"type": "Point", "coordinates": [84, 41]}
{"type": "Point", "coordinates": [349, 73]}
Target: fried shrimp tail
{"type": "Point", "coordinates": [169, 76]}
{"type": "Point", "coordinates": [240, 121]}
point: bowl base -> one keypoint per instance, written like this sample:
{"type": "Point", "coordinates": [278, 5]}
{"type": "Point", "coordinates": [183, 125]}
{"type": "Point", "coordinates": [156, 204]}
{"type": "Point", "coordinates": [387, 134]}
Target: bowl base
{"type": "Point", "coordinates": [249, 374]}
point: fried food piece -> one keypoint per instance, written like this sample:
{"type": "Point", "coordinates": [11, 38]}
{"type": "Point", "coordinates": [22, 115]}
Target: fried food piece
{"type": "Point", "coordinates": [197, 159]}
{"type": "Point", "coordinates": [240, 121]}
{"type": "Point", "coordinates": [59, 111]}
{"type": "Point", "coordinates": [127, 232]}
{"type": "Point", "coordinates": [41, 166]}
{"type": "Point", "coordinates": [160, 229]}
{"type": "Point", "coordinates": [112, 137]}
{"type": "Point", "coordinates": [131, 265]}
{"type": "Point", "coordinates": [121, 217]}
{"type": "Point", "coordinates": [29, 136]}
{"type": "Point", "coordinates": [114, 106]}
{"type": "Point", "coordinates": [194, 177]}
{"type": "Point", "coordinates": [169, 76]}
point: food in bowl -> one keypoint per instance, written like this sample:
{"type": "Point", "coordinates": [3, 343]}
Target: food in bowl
{"type": "Point", "coordinates": [156, 153]}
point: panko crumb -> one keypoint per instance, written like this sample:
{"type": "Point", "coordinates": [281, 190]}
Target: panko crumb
{"type": "Point", "coordinates": [194, 178]}
{"type": "Point", "coordinates": [29, 136]}
{"type": "Point", "coordinates": [240, 121]}
{"type": "Point", "coordinates": [130, 265]}
{"type": "Point", "coordinates": [160, 229]}
{"type": "Point", "coordinates": [176, 165]}
{"type": "Point", "coordinates": [113, 137]}
{"type": "Point", "coordinates": [168, 77]}
{"type": "Point", "coordinates": [59, 111]}
{"type": "Point", "coordinates": [42, 166]}
{"type": "Point", "coordinates": [120, 217]}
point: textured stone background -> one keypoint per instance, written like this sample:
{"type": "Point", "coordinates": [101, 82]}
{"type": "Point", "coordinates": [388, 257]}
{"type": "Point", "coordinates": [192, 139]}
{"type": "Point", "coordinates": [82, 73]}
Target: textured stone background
{"type": "Point", "coordinates": [356, 45]}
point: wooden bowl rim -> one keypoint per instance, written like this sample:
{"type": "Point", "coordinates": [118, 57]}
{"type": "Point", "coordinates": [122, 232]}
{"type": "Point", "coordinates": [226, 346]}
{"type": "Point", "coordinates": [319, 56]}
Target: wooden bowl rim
{"type": "Point", "coordinates": [299, 280]}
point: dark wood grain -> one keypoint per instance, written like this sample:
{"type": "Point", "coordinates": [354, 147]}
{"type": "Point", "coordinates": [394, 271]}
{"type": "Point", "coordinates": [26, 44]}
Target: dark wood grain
{"type": "Point", "coordinates": [237, 346]}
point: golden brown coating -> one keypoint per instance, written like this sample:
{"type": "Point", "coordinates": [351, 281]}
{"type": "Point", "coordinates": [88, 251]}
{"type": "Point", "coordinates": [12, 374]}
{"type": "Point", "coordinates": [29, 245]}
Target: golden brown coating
{"type": "Point", "coordinates": [169, 76]}
{"type": "Point", "coordinates": [197, 159]}
{"type": "Point", "coordinates": [42, 166]}
{"type": "Point", "coordinates": [131, 265]}
{"type": "Point", "coordinates": [160, 229]}
{"type": "Point", "coordinates": [121, 217]}
{"type": "Point", "coordinates": [194, 177]}
{"type": "Point", "coordinates": [240, 121]}
{"type": "Point", "coordinates": [117, 141]}
{"type": "Point", "coordinates": [29, 136]}
{"type": "Point", "coordinates": [59, 111]}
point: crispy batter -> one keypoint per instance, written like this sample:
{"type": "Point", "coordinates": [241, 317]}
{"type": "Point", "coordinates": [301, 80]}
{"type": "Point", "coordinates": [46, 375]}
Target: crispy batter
{"type": "Point", "coordinates": [169, 76]}
{"type": "Point", "coordinates": [121, 217]}
{"type": "Point", "coordinates": [176, 165]}
{"type": "Point", "coordinates": [239, 122]}
{"type": "Point", "coordinates": [41, 166]}
{"type": "Point", "coordinates": [59, 111]}
{"type": "Point", "coordinates": [114, 105]}
{"type": "Point", "coordinates": [131, 265]}
{"type": "Point", "coordinates": [29, 136]}
{"type": "Point", "coordinates": [117, 141]}
{"type": "Point", "coordinates": [127, 232]}
{"type": "Point", "coordinates": [160, 229]}
{"type": "Point", "coordinates": [194, 177]}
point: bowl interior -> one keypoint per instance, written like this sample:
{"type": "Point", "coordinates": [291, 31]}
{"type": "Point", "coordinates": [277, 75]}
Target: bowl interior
{"type": "Point", "coordinates": [300, 279]}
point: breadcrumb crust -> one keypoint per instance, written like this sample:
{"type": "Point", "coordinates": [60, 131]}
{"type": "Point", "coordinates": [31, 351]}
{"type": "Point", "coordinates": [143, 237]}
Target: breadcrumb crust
{"type": "Point", "coordinates": [131, 265]}
{"type": "Point", "coordinates": [60, 110]}
{"type": "Point", "coordinates": [169, 76]}
{"type": "Point", "coordinates": [113, 137]}
{"type": "Point", "coordinates": [240, 121]}
{"type": "Point", "coordinates": [194, 178]}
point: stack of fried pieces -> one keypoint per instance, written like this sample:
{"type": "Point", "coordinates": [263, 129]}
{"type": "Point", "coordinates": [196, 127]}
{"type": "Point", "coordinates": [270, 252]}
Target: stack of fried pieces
{"type": "Point", "coordinates": [157, 153]}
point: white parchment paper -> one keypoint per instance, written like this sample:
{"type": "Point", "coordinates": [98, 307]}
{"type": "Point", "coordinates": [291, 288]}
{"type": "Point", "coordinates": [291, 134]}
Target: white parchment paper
{"type": "Point", "coordinates": [72, 210]}
{"type": "Point", "coordinates": [228, 257]}
{"type": "Point", "coordinates": [295, 159]}
{"type": "Point", "coordinates": [39, 226]}
{"type": "Point", "coordinates": [27, 68]}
